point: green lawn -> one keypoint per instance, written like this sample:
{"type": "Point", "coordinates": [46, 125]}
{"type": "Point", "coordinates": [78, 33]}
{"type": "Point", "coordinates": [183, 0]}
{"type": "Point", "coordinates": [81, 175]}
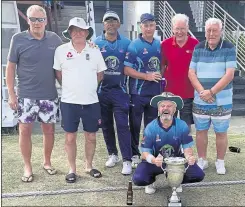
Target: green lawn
{"type": "Point", "coordinates": [12, 169]}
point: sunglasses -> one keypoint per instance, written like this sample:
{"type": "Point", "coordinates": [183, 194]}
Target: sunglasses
{"type": "Point", "coordinates": [34, 19]}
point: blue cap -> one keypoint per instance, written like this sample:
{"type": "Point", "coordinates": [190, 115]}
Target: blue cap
{"type": "Point", "coordinates": [146, 17]}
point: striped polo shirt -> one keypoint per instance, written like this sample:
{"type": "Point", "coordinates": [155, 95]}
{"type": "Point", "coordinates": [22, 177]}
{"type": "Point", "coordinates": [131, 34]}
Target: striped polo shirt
{"type": "Point", "coordinates": [210, 66]}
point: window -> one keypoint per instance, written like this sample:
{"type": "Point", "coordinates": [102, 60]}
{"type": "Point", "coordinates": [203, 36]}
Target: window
{"type": "Point", "coordinates": [8, 13]}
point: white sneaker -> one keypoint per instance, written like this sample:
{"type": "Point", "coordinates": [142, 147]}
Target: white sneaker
{"type": "Point", "coordinates": [135, 161]}
{"type": "Point", "coordinates": [127, 168]}
{"type": "Point", "coordinates": [111, 162]}
{"type": "Point", "coordinates": [150, 189]}
{"type": "Point", "coordinates": [220, 167]}
{"type": "Point", "coordinates": [203, 164]}
{"type": "Point", "coordinates": [179, 189]}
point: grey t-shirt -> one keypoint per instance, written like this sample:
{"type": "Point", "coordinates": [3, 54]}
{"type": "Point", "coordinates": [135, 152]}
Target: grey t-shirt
{"type": "Point", "coordinates": [34, 59]}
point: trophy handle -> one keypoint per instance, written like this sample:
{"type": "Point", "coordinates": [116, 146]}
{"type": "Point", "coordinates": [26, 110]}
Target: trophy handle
{"type": "Point", "coordinates": [187, 168]}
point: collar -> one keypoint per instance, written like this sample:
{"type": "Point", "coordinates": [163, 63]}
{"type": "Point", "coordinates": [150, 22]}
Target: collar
{"type": "Point", "coordinates": [174, 41]}
{"type": "Point", "coordinates": [30, 37]}
{"type": "Point", "coordinates": [143, 40]}
{"type": "Point", "coordinates": [70, 46]}
{"type": "Point", "coordinates": [160, 124]}
{"type": "Point", "coordinates": [219, 46]}
{"type": "Point", "coordinates": [103, 36]}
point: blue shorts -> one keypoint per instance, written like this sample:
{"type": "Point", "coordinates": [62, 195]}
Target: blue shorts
{"type": "Point", "coordinates": [72, 113]}
{"type": "Point", "coordinates": [219, 116]}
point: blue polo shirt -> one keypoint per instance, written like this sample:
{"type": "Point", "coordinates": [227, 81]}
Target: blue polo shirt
{"type": "Point", "coordinates": [143, 57]}
{"type": "Point", "coordinates": [210, 66]}
{"type": "Point", "coordinates": [169, 140]}
{"type": "Point", "coordinates": [114, 55]}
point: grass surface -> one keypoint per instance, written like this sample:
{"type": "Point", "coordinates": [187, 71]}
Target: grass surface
{"type": "Point", "coordinates": [12, 170]}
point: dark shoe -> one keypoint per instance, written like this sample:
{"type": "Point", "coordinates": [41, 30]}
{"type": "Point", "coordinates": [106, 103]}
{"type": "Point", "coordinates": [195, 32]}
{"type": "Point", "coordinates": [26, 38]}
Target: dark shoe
{"type": "Point", "coordinates": [95, 173]}
{"type": "Point", "coordinates": [71, 178]}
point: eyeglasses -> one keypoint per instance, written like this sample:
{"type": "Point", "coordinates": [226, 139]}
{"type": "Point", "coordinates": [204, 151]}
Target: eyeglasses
{"type": "Point", "coordinates": [34, 19]}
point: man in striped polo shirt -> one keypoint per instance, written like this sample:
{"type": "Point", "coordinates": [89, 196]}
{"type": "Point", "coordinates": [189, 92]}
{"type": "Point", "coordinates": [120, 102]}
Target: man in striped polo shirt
{"type": "Point", "coordinates": [211, 73]}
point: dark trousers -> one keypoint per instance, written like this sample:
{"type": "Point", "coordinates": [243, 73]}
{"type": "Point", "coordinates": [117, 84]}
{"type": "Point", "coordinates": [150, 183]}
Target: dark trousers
{"type": "Point", "coordinates": [145, 174]}
{"type": "Point", "coordinates": [116, 102]}
{"type": "Point", "coordinates": [139, 105]}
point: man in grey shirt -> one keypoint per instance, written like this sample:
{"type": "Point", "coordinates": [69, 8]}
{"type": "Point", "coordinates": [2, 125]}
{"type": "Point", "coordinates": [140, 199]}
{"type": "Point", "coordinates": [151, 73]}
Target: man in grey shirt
{"type": "Point", "coordinates": [31, 54]}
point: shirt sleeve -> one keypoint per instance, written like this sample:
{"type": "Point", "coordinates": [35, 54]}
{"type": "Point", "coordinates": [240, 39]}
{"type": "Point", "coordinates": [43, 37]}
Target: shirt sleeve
{"type": "Point", "coordinates": [57, 62]}
{"type": "Point", "coordinates": [101, 66]}
{"type": "Point", "coordinates": [147, 144]}
{"type": "Point", "coordinates": [194, 60]}
{"type": "Point", "coordinates": [231, 58]}
{"type": "Point", "coordinates": [131, 56]}
{"type": "Point", "coordinates": [13, 55]}
{"type": "Point", "coordinates": [186, 138]}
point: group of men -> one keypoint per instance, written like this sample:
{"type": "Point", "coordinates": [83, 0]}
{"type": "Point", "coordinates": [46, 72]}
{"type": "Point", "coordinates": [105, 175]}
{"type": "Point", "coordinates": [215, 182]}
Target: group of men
{"type": "Point", "coordinates": [94, 81]}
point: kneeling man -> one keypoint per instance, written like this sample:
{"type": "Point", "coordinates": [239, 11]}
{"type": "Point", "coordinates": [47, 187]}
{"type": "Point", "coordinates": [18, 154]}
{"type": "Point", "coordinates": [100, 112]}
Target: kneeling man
{"type": "Point", "coordinates": [166, 135]}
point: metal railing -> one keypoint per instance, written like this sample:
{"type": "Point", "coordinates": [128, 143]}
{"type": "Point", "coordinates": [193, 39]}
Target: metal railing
{"type": "Point", "coordinates": [233, 31]}
{"type": "Point", "coordinates": [197, 8]}
{"type": "Point", "coordinates": [166, 14]}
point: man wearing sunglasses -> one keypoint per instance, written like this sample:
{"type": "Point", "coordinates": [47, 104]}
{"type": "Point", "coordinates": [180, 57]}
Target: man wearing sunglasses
{"type": "Point", "coordinates": [142, 64]}
{"type": "Point", "coordinates": [31, 55]}
{"type": "Point", "coordinates": [112, 92]}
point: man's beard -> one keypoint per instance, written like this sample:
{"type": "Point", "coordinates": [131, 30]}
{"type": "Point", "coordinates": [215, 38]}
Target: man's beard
{"type": "Point", "coordinates": [166, 117]}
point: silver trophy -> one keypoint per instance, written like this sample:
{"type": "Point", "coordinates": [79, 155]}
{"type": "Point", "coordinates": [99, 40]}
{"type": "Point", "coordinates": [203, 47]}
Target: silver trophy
{"type": "Point", "coordinates": [175, 169]}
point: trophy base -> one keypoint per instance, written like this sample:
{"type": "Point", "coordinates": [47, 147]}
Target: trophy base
{"type": "Point", "coordinates": [175, 203]}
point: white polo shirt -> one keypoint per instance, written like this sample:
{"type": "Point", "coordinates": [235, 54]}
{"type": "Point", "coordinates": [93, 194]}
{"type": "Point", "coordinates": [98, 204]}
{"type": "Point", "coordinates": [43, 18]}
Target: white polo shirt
{"type": "Point", "coordinates": [79, 73]}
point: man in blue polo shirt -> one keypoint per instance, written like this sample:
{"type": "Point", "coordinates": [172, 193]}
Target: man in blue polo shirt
{"type": "Point", "coordinates": [167, 136]}
{"type": "Point", "coordinates": [112, 92]}
{"type": "Point", "coordinates": [142, 64]}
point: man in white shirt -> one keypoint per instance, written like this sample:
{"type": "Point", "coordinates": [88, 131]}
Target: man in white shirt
{"type": "Point", "coordinates": [79, 67]}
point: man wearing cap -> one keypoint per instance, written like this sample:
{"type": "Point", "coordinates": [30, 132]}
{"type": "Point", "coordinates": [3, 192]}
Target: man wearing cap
{"type": "Point", "coordinates": [142, 64]}
{"type": "Point", "coordinates": [165, 137]}
{"type": "Point", "coordinates": [112, 92]}
{"type": "Point", "coordinates": [79, 67]}
{"type": "Point", "coordinates": [31, 56]}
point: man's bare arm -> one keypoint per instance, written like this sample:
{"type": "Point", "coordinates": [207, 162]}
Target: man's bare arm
{"type": "Point", "coordinates": [10, 80]}
{"type": "Point", "coordinates": [194, 80]}
{"type": "Point", "coordinates": [58, 75]}
{"type": "Point", "coordinates": [10, 77]}
{"type": "Point", "coordinates": [224, 81]}
{"type": "Point", "coordinates": [100, 76]}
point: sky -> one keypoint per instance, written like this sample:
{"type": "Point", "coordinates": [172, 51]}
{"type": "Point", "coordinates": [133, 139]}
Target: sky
{"type": "Point", "coordinates": [142, 7]}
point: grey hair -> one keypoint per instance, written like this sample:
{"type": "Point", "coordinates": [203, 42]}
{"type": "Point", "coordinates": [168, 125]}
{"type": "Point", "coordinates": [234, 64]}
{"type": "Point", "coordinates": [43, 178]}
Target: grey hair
{"type": "Point", "coordinates": [36, 8]}
{"type": "Point", "coordinates": [212, 21]}
{"type": "Point", "coordinates": [180, 17]}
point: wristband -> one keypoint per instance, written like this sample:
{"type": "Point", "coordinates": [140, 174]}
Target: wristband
{"type": "Point", "coordinates": [149, 158]}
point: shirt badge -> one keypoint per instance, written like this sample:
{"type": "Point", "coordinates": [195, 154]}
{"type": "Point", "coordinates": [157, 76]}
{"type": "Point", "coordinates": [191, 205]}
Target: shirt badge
{"type": "Point", "coordinates": [145, 51]}
{"type": "Point", "coordinates": [121, 50]}
{"type": "Point", "coordinates": [188, 51]}
{"type": "Point", "coordinates": [69, 55]}
{"type": "Point", "coordinates": [158, 138]}
{"type": "Point", "coordinates": [103, 49]}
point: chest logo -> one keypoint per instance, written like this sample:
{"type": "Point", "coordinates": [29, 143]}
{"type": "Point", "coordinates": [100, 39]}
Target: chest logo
{"type": "Point", "coordinates": [188, 51]}
{"type": "Point", "coordinates": [69, 56]}
{"type": "Point", "coordinates": [145, 51]}
{"type": "Point", "coordinates": [112, 63]}
{"type": "Point", "coordinates": [154, 64]}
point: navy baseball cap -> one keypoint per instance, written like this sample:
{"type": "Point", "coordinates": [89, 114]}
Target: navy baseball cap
{"type": "Point", "coordinates": [146, 17]}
